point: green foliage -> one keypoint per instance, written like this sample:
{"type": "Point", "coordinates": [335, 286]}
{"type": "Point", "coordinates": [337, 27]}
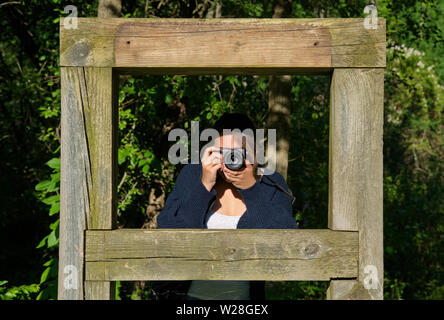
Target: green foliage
{"type": "Point", "coordinates": [50, 195]}
{"type": "Point", "coordinates": [296, 290]}
{"type": "Point", "coordinates": [419, 25]}
{"type": "Point", "coordinates": [413, 184]}
{"type": "Point", "coordinates": [23, 292]}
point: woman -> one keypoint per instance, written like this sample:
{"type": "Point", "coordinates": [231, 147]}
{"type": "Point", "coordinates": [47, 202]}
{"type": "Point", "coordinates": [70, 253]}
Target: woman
{"type": "Point", "coordinates": [209, 195]}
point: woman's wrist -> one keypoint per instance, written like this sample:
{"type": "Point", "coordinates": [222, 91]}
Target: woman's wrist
{"type": "Point", "coordinates": [207, 185]}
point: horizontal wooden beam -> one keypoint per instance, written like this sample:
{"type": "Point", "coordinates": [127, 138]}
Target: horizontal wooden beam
{"type": "Point", "coordinates": [242, 254]}
{"type": "Point", "coordinates": [224, 71]}
{"type": "Point", "coordinates": [233, 45]}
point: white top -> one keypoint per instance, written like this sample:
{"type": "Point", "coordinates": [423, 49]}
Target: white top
{"type": "Point", "coordinates": [222, 221]}
{"type": "Point", "coordinates": [220, 289]}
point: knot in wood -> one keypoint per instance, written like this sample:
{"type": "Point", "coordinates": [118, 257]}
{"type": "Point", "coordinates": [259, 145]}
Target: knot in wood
{"type": "Point", "coordinates": [311, 250]}
{"type": "Point", "coordinates": [230, 250]}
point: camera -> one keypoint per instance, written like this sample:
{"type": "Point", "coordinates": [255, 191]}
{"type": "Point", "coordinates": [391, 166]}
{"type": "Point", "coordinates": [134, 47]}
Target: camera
{"type": "Point", "coordinates": [234, 159]}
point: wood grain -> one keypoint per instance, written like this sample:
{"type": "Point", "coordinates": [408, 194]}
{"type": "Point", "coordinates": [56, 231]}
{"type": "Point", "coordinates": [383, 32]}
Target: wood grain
{"type": "Point", "coordinates": [88, 166]}
{"type": "Point", "coordinates": [242, 46]}
{"type": "Point", "coordinates": [355, 168]}
{"type": "Point", "coordinates": [75, 182]}
{"type": "Point", "coordinates": [100, 290]}
{"type": "Point", "coordinates": [185, 254]}
{"type": "Point", "coordinates": [99, 93]}
{"type": "Point", "coordinates": [100, 97]}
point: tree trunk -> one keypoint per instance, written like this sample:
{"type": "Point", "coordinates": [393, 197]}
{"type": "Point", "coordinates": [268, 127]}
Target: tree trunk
{"type": "Point", "coordinates": [279, 103]}
{"type": "Point", "coordinates": [109, 8]}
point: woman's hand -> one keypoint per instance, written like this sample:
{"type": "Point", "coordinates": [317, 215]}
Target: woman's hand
{"type": "Point", "coordinates": [211, 163]}
{"type": "Point", "coordinates": [242, 179]}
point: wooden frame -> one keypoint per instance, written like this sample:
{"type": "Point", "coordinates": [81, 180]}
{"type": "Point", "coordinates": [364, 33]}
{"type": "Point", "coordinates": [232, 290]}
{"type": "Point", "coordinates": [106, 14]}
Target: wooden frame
{"type": "Point", "coordinates": [92, 255]}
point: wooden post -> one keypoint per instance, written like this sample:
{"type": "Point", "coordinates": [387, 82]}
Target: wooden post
{"type": "Point", "coordinates": [88, 172]}
{"type": "Point", "coordinates": [355, 175]}
{"type": "Point", "coordinates": [74, 177]}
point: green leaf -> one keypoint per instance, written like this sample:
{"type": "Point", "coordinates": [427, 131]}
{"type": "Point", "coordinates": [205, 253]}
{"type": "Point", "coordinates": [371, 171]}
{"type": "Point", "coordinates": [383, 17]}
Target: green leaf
{"type": "Point", "coordinates": [55, 177]}
{"type": "Point", "coordinates": [2, 282]}
{"type": "Point", "coordinates": [49, 263]}
{"type": "Point", "coordinates": [262, 86]}
{"type": "Point", "coordinates": [43, 185]}
{"type": "Point", "coordinates": [42, 243]}
{"type": "Point", "coordinates": [45, 275]}
{"type": "Point", "coordinates": [53, 187]}
{"type": "Point", "coordinates": [122, 154]}
{"type": "Point", "coordinates": [168, 98]}
{"type": "Point", "coordinates": [54, 163]}
{"type": "Point", "coordinates": [54, 225]}
{"type": "Point", "coordinates": [49, 292]}
{"type": "Point", "coordinates": [52, 199]}
{"type": "Point", "coordinates": [52, 239]}
{"type": "Point", "coordinates": [55, 208]}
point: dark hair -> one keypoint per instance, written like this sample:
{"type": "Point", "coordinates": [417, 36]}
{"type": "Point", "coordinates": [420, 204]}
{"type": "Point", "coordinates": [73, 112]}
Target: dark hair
{"type": "Point", "coordinates": [234, 121]}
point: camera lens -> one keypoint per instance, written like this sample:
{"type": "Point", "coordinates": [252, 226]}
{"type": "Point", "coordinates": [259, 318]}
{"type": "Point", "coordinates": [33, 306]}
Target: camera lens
{"type": "Point", "coordinates": [234, 159]}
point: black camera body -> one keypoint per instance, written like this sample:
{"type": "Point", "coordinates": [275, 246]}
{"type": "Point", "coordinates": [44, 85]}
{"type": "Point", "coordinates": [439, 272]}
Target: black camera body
{"type": "Point", "coordinates": [234, 159]}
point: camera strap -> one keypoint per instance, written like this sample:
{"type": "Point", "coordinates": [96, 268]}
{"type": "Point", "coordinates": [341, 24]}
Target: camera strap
{"type": "Point", "coordinates": [277, 185]}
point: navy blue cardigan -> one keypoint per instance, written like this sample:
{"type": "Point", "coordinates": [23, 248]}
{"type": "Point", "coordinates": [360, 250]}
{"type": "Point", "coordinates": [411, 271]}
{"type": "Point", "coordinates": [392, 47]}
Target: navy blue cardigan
{"type": "Point", "coordinates": [188, 203]}
{"type": "Point", "coordinates": [267, 208]}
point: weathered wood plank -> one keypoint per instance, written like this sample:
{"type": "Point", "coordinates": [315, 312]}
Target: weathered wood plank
{"type": "Point", "coordinates": [99, 88]}
{"type": "Point", "coordinates": [185, 254]}
{"type": "Point", "coordinates": [88, 167]}
{"type": "Point", "coordinates": [100, 290]}
{"type": "Point", "coordinates": [100, 98]}
{"type": "Point", "coordinates": [75, 183]}
{"type": "Point", "coordinates": [243, 45]}
{"type": "Point", "coordinates": [355, 170]}
{"type": "Point", "coordinates": [191, 43]}
{"type": "Point", "coordinates": [339, 289]}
